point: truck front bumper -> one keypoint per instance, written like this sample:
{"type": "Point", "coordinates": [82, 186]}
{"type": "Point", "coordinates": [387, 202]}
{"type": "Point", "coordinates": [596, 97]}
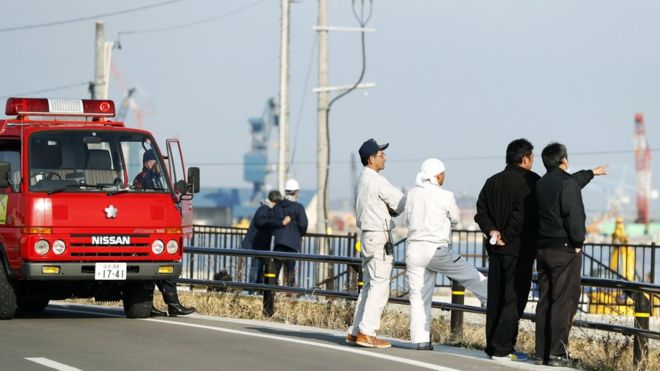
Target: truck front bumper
{"type": "Point", "coordinates": [85, 271]}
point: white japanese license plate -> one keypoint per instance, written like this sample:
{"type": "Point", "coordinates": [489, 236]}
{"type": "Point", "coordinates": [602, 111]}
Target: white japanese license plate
{"type": "Point", "coordinates": [110, 271]}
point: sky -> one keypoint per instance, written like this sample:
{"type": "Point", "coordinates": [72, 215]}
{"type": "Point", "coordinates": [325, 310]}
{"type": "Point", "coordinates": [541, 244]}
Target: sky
{"type": "Point", "coordinates": [455, 80]}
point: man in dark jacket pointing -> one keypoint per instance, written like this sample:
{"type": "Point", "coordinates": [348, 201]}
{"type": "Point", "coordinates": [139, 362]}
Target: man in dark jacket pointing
{"type": "Point", "coordinates": [561, 234]}
{"type": "Point", "coordinates": [288, 238]}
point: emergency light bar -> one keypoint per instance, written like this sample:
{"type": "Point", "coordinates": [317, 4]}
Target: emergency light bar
{"type": "Point", "coordinates": [60, 107]}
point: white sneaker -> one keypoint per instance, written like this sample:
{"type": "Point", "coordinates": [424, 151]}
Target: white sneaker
{"type": "Point", "coordinates": [506, 358]}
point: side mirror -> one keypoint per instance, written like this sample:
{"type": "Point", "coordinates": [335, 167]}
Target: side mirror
{"type": "Point", "coordinates": [4, 174]}
{"type": "Point", "coordinates": [193, 179]}
{"type": "Point", "coordinates": [181, 187]}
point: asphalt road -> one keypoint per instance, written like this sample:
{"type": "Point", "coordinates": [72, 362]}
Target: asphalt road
{"type": "Point", "coordinates": [82, 337]}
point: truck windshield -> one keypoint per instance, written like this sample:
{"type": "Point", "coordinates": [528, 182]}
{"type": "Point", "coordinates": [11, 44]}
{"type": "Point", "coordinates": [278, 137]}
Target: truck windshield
{"type": "Point", "coordinates": [95, 161]}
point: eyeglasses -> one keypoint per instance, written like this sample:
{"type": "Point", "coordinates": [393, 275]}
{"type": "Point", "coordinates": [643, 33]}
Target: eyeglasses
{"type": "Point", "coordinates": [380, 155]}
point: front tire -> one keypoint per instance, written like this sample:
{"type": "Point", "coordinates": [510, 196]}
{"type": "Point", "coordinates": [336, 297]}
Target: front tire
{"type": "Point", "coordinates": [138, 299]}
{"type": "Point", "coordinates": [7, 296]}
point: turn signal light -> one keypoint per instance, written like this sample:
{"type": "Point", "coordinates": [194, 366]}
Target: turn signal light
{"type": "Point", "coordinates": [37, 230]}
{"type": "Point", "coordinates": [50, 269]}
{"type": "Point", "coordinates": [165, 269]}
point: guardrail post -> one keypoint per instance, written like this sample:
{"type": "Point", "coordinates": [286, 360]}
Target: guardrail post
{"type": "Point", "coordinates": [270, 278]}
{"type": "Point", "coordinates": [642, 314]}
{"type": "Point", "coordinates": [360, 278]}
{"type": "Point", "coordinates": [457, 297]}
{"type": "Point", "coordinates": [191, 259]}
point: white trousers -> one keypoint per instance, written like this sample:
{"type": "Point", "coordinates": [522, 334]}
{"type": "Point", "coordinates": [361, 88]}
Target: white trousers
{"type": "Point", "coordinates": [376, 272]}
{"type": "Point", "coordinates": [423, 262]}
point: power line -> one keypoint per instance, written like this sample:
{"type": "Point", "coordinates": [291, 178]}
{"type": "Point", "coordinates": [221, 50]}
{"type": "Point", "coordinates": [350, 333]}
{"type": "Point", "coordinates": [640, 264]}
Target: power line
{"type": "Point", "coordinates": [75, 20]}
{"type": "Point", "coordinates": [458, 158]}
{"type": "Point", "coordinates": [193, 23]}
{"type": "Point", "coordinates": [62, 87]}
{"type": "Point", "coordinates": [302, 104]}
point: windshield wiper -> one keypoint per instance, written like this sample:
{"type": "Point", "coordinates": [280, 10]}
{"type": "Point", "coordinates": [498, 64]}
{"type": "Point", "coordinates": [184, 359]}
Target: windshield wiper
{"type": "Point", "coordinates": [78, 186]}
{"type": "Point", "coordinates": [68, 186]}
{"type": "Point", "coordinates": [125, 190]}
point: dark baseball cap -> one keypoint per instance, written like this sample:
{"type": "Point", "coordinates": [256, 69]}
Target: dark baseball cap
{"type": "Point", "coordinates": [149, 154]}
{"type": "Point", "coordinates": [370, 147]}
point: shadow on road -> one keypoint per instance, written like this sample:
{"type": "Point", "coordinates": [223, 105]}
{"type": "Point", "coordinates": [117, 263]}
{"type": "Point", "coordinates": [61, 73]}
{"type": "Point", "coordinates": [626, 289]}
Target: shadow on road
{"type": "Point", "coordinates": [69, 311]}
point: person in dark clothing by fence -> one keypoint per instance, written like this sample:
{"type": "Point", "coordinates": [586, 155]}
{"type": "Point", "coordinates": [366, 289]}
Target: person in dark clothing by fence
{"type": "Point", "coordinates": [260, 233]}
{"type": "Point", "coordinates": [559, 260]}
{"type": "Point", "coordinates": [506, 214]}
{"type": "Point", "coordinates": [288, 238]}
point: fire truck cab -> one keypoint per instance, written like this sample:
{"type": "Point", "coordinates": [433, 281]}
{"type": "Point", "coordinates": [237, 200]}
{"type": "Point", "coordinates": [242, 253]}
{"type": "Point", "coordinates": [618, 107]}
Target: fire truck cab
{"type": "Point", "coordinates": [88, 207]}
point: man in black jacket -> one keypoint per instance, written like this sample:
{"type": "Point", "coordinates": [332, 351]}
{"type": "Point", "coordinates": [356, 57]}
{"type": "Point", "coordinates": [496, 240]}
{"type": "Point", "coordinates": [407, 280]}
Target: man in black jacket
{"type": "Point", "coordinates": [288, 238]}
{"type": "Point", "coordinates": [260, 233]}
{"type": "Point", "coordinates": [506, 214]}
{"type": "Point", "coordinates": [560, 238]}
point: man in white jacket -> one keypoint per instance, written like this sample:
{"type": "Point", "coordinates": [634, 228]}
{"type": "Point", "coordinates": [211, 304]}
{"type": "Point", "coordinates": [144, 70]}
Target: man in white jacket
{"type": "Point", "coordinates": [431, 211]}
{"type": "Point", "coordinates": [376, 202]}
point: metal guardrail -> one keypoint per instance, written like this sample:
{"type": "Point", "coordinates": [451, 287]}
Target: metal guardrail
{"type": "Point", "coordinates": [604, 289]}
{"type": "Point", "coordinates": [643, 308]}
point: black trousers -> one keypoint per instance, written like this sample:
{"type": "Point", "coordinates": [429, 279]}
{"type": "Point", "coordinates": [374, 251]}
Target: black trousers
{"type": "Point", "coordinates": [523, 282]}
{"type": "Point", "coordinates": [507, 275]}
{"type": "Point", "coordinates": [166, 285]}
{"type": "Point", "coordinates": [289, 266]}
{"type": "Point", "coordinates": [502, 305]}
{"type": "Point", "coordinates": [559, 282]}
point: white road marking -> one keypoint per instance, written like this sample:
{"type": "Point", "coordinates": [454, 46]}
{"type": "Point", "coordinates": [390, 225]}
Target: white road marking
{"type": "Point", "coordinates": [52, 364]}
{"type": "Point", "coordinates": [311, 343]}
{"type": "Point", "coordinates": [347, 349]}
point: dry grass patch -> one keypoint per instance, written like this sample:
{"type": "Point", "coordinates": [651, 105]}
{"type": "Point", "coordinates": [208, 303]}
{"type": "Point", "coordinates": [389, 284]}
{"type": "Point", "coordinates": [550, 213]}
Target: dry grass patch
{"type": "Point", "coordinates": [604, 351]}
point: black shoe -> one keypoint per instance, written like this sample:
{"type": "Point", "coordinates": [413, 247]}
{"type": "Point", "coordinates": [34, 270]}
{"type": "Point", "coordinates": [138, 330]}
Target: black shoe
{"type": "Point", "coordinates": [559, 361]}
{"type": "Point", "coordinates": [179, 310]}
{"type": "Point", "coordinates": [424, 346]}
{"type": "Point", "coordinates": [155, 312]}
{"type": "Point", "coordinates": [536, 360]}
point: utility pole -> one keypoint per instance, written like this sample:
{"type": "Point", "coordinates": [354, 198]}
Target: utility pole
{"type": "Point", "coordinates": [283, 170]}
{"type": "Point", "coordinates": [325, 270]}
{"type": "Point", "coordinates": [99, 59]}
{"type": "Point", "coordinates": [102, 58]}
{"type": "Point", "coordinates": [323, 90]}
{"type": "Point", "coordinates": [322, 119]}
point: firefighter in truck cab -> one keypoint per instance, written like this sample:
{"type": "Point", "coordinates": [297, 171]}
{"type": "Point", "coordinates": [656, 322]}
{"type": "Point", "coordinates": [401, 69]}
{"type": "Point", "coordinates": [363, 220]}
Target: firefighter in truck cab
{"type": "Point", "coordinates": [81, 216]}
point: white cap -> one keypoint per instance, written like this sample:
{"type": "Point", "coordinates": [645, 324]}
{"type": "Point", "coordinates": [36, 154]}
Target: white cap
{"type": "Point", "coordinates": [429, 170]}
{"type": "Point", "coordinates": [291, 185]}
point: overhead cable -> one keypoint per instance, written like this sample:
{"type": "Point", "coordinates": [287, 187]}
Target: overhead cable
{"type": "Point", "coordinates": [456, 158]}
{"type": "Point", "coordinates": [193, 23]}
{"type": "Point", "coordinates": [62, 87]}
{"type": "Point", "coordinates": [81, 19]}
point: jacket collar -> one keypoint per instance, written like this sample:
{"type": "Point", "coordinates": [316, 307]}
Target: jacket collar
{"type": "Point", "coordinates": [516, 168]}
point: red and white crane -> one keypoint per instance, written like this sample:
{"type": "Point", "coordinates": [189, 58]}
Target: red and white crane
{"type": "Point", "coordinates": [643, 170]}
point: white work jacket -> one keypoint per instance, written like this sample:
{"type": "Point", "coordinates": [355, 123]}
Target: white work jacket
{"type": "Point", "coordinates": [431, 211]}
{"type": "Point", "coordinates": [374, 195]}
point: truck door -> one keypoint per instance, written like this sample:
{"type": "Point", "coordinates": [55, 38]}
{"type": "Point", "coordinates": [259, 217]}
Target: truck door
{"type": "Point", "coordinates": [10, 203]}
{"type": "Point", "coordinates": [178, 172]}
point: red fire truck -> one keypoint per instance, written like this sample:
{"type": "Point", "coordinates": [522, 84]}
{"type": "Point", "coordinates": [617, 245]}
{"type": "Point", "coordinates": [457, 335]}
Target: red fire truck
{"type": "Point", "coordinates": [74, 222]}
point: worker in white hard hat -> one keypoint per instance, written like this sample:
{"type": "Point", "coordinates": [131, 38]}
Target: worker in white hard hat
{"type": "Point", "coordinates": [288, 238]}
{"type": "Point", "coordinates": [431, 212]}
{"type": "Point", "coordinates": [376, 202]}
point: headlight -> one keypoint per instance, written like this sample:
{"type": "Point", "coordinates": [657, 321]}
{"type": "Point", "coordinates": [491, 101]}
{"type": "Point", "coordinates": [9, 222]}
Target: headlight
{"type": "Point", "coordinates": [172, 247]}
{"type": "Point", "coordinates": [58, 247]}
{"type": "Point", "coordinates": [157, 247]}
{"type": "Point", "coordinates": [41, 247]}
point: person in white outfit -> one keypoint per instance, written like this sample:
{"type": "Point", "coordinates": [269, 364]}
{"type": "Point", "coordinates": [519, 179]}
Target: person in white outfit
{"type": "Point", "coordinates": [376, 201]}
{"type": "Point", "coordinates": [431, 211]}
